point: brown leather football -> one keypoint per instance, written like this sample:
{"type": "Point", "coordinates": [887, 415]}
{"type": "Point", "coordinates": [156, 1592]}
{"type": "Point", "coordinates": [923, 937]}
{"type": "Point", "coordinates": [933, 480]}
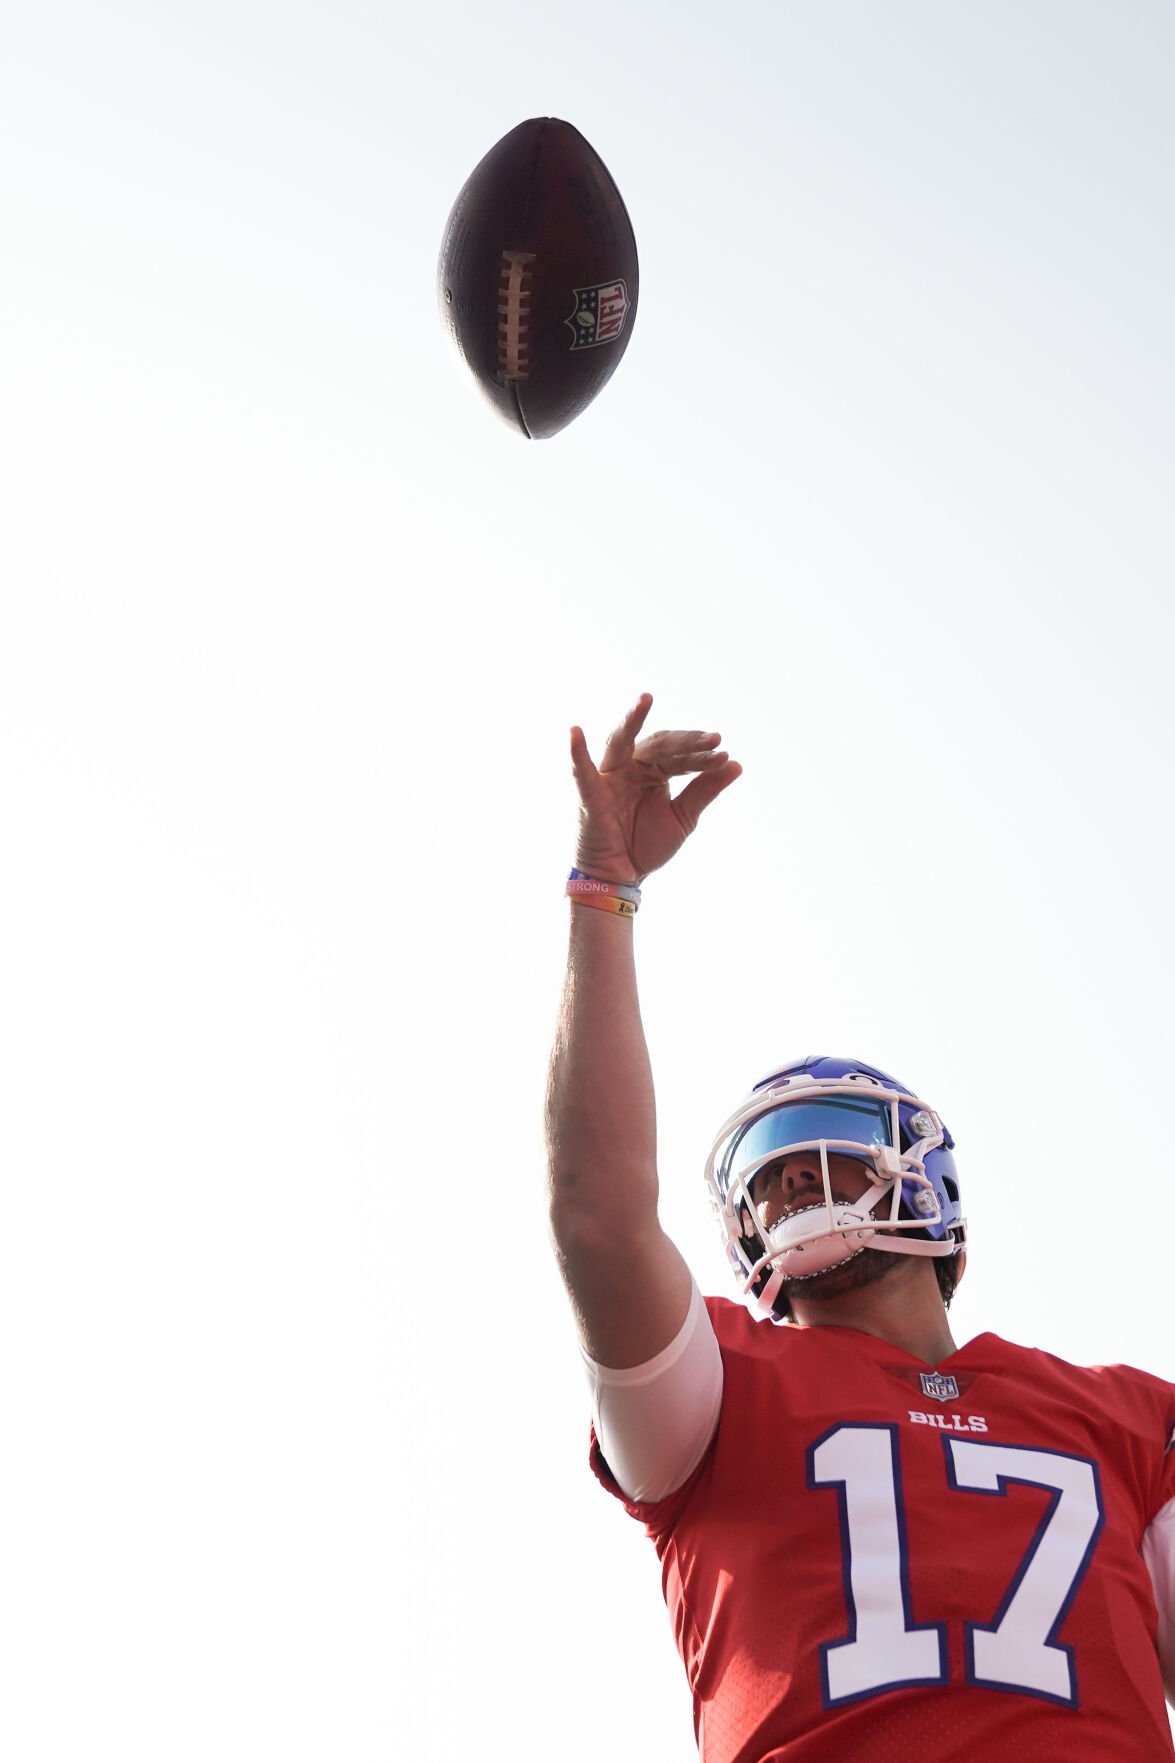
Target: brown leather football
{"type": "Point", "coordinates": [538, 275]}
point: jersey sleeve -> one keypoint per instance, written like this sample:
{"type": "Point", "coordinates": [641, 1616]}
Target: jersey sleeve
{"type": "Point", "coordinates": [1158, 1551]}
{"type": "Point", "coordinates": [1167, 1487]}
{"type": "Point", "coordinates": [653, 1423]}
{"type": "Point", "coordinates": [1150, 1404]}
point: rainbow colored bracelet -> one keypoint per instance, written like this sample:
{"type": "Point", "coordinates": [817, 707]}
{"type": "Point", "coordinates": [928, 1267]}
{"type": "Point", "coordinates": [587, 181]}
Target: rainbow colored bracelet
{"type": "Point", "coordinates": [605, 896]}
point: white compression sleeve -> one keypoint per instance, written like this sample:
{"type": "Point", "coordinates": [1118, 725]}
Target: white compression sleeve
{"type": "Point", "coordinates": [655, 1421]}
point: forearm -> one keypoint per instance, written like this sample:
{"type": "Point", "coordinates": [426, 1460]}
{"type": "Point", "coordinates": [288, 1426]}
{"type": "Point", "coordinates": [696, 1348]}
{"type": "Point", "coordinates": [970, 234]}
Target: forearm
{"type": "Point", "coordinates": [627, 1281]}
{"type": "Point", "coordinates": [601, 1119]}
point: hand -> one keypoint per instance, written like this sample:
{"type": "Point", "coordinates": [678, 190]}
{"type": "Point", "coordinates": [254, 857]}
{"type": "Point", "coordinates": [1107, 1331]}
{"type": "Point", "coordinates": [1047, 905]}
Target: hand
{"type": "Point", "coordinates": [629, 824]}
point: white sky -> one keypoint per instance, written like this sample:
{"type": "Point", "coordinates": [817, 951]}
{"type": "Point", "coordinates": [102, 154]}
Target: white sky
{"type": "Point", "coordinates": [292, 633]}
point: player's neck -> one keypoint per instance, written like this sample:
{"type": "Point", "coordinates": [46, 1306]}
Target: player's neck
{"type": "Point", "coordinates": [904, 1309]}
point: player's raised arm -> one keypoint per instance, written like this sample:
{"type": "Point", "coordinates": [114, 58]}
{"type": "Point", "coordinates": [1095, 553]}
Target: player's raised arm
{"type": "Point", "coordinates": [628, 1283]}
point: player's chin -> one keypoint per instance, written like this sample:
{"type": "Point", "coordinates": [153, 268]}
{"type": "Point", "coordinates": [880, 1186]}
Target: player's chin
{"type": "Point", "coordinates": [865, 1269]}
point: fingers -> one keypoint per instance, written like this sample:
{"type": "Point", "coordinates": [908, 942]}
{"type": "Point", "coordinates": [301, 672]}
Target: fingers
{"type": "Point", "coordinates": [702, 790]}
{"type": "Point", "coordinates": [622, 740]}
{"type": "Point", "coordinates": [673, 752]}
{"type": "Point", "coordinates": [668, 753]}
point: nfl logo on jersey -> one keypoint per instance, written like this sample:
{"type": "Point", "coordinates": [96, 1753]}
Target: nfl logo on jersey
{"type": "Point", "coordinates": [943, 1389]}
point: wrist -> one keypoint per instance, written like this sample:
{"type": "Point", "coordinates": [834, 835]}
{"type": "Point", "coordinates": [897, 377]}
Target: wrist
{"type": "Point", "coordinates": [603, 894]}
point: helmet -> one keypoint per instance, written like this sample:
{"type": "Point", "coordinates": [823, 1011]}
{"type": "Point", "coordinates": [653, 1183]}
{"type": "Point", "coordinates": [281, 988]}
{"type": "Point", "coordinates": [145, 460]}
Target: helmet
{"type": "Point", "coordinates": [840, 1105]}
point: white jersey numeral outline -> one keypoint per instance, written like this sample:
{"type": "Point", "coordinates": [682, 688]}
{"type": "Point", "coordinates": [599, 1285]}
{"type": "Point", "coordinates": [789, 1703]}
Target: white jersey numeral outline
{"type": "Point", "coordinates": [1017, 1651]}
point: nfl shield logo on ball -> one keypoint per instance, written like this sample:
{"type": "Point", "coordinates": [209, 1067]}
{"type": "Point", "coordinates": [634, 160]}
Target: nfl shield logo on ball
{"type": "Point", "coordinates": [943, 1389]}
{"type": "Point", "coordinates": [599, 315]}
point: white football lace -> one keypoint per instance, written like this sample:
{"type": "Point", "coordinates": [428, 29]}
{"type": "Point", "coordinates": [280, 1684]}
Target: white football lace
{"type": "Point", "coordinates": [514, 316]}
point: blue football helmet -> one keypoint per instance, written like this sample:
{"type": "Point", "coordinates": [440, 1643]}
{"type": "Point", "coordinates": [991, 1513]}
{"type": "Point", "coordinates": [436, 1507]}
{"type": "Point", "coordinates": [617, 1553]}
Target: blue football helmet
{"type": "Point", "coordinates": [820, 1104]}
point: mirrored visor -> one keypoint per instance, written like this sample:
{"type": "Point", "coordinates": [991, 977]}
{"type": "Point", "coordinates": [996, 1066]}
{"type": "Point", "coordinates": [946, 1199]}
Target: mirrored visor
{"type": "Point", "coordinates": [859, 1121]}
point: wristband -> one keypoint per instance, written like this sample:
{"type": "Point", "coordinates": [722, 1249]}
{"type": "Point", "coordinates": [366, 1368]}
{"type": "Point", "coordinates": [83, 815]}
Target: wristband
{"type": "Point", "coordinates": [591, 884]}
{"type": "Point", "coordinates": [606, 903]}
{"type": "Point", "coordinates": [605, 896]}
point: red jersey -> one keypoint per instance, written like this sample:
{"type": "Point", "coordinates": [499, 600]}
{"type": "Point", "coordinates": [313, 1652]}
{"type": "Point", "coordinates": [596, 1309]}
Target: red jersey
{"type": "Point", "coordinates": [876, 1560]}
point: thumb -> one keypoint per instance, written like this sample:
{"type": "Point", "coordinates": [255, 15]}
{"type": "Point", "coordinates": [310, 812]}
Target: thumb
{"type": "Point", "coordinates": [586, 775]}
{"type": "Point", "coordinates": [701, 791]}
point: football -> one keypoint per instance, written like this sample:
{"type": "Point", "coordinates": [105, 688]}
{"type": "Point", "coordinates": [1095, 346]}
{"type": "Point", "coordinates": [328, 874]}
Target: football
{"type": "Point", "coordinates": [537, 278]}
